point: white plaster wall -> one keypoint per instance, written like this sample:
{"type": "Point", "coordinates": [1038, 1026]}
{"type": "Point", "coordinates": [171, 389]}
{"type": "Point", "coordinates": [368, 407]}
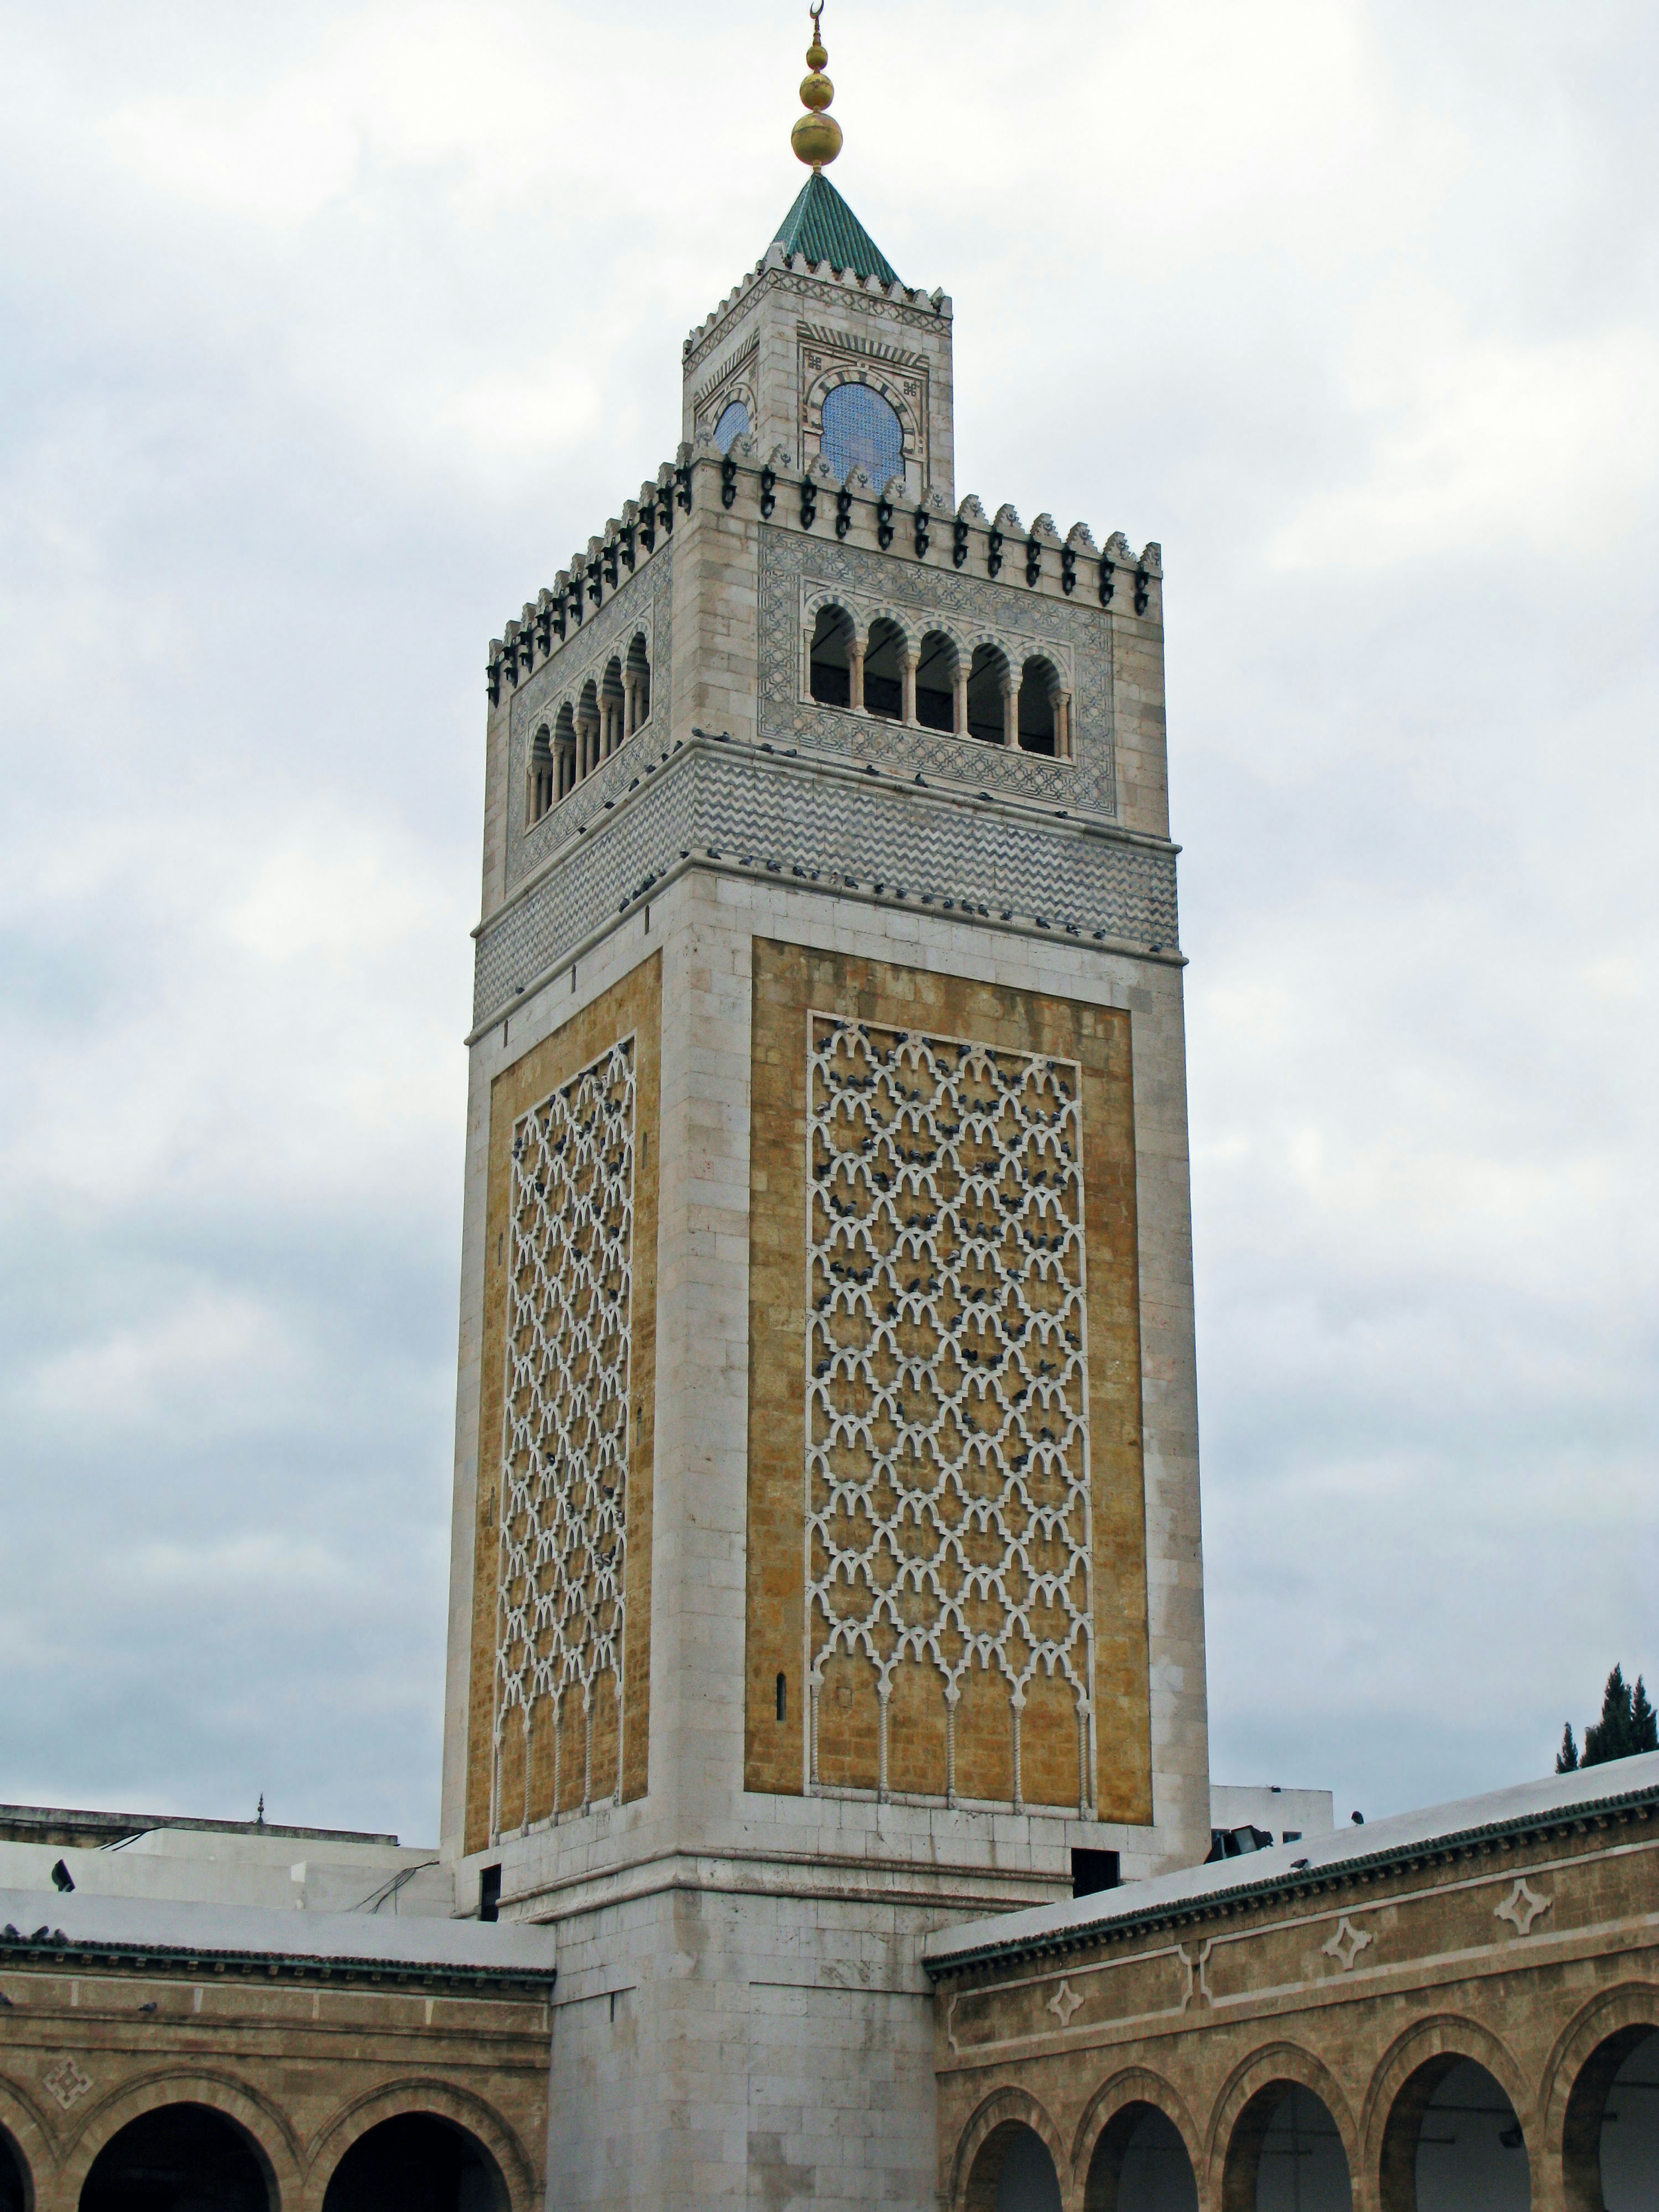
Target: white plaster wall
{"type": "Point", "coordinates": [1262, 1804]}
{"type": "Point", "coordinates": [189, 1867]}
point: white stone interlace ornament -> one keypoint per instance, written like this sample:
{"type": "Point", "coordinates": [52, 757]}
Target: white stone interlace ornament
{"type": "Point", "coordinates": [559, 1627]}
{"type": "Point", "coordinates": [948, 1518]}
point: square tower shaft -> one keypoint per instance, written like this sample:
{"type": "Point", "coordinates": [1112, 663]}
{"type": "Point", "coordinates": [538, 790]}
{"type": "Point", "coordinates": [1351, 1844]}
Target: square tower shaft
{"type": "Point", "coordinates": [826, 1557]}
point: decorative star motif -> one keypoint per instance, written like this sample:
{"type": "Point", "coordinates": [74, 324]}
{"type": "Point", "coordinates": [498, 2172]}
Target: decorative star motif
{"type": "Point", "coordinates": [1523, 1906]}
{"type": "Point", "coordinates": [1064, 2003]}
{"type": "Point", "coordinates": [1198, 1973]}
{"type": "Point", "coordinates": [1345, 1946]}
{"type": "Point", "coordinates": [66, 2081]}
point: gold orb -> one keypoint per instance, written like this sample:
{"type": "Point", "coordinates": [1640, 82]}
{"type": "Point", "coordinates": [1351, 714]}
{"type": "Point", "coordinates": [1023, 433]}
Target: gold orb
{"type": "Point", "coordinates": [817, 53]}
{"type": "Point", "coordinates": [816, 139]}
{"type": "Point", "coordinates": [816, 91]}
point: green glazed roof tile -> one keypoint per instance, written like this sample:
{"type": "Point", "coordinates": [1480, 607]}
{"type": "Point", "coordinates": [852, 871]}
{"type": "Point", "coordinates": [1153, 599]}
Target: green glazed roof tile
{"type": "Point", "coordinates": [822, 226]}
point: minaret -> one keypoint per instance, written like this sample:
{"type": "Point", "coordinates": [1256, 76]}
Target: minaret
{"type": "Point", "coordinates": [826, 1554]}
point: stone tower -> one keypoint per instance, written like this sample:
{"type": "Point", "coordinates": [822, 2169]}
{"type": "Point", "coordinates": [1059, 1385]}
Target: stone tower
{"type": "Point", "coordinates": [826, 1554]}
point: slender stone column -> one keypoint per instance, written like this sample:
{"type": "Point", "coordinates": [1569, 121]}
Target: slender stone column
{"type": "Point", "coordinates": [855, 674]}
{"type": "Point", "coordinates": [907, 685]}
{"type": "Point", "coordinates": [961, 716]}
{"type": "Point", "coordinates": [1063, 725]}
{"type": "Point", "coordinates": [1010, 713]}
{"type": "Point", "coordinates": [631, 705]}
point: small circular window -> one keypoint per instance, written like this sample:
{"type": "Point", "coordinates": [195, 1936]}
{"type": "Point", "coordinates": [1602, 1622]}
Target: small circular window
{"type": "Point", "coordinates": [861, 431]}
{"type": "Point", "coordinates": [733, 423]}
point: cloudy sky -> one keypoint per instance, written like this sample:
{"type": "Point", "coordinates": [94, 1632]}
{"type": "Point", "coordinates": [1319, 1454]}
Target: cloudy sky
{"type": "Point", "coordinates": [330, 329]}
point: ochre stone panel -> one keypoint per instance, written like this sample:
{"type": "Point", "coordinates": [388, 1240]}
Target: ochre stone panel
{"type": "Point", "coordinates": [1015, 1081]}
{"type": "Point", "coordinates": [613, 1043]}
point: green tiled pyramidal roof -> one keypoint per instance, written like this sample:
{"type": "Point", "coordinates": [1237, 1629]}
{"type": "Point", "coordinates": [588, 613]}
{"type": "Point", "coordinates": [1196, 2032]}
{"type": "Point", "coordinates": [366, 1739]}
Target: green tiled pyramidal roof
{"type": "Point", "coordinates": [821, 226]}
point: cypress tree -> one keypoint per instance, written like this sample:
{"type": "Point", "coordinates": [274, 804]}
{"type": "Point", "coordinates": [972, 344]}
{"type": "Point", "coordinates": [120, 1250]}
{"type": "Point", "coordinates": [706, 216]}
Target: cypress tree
{"type": "Point", "coordinates": [1613, 1737]}
{"type": "Point", "coordinates": [1566, 1759]}
{"type": "Point", "coordinates": [1645, 1724]}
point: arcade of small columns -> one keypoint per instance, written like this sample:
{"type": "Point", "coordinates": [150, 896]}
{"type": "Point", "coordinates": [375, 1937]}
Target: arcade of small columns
{"type": "Point", "coordinates": [835, 634]}
{"type": "Point", "coordinates": [605, 715]}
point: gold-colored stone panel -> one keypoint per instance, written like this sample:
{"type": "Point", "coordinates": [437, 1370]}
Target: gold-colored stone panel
{"type": "Point", "coordinates": [789, 983]}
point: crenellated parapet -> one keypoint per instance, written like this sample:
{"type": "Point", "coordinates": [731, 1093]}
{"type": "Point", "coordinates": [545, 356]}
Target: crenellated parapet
{"type": "Point", "coordinates": [813, 500]}
{"type": "Point", "coordinates": [559, 610]}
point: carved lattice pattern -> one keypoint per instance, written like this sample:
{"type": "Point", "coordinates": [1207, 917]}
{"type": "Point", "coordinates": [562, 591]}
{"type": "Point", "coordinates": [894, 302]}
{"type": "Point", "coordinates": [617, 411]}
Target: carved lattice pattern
{"type": "Point", "coordinates": [561, 1618]}
{"type": "Point", "coordinates": [947, 1447]}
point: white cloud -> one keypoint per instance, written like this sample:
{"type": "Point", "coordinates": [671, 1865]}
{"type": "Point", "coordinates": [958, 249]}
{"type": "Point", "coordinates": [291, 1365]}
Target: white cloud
{"type": "Point", "coordinates": [335, 328]}
{"type": "Point", "coordinates": [1538, 449]}
{"type": "Point", "coordinates": [155, 1370]}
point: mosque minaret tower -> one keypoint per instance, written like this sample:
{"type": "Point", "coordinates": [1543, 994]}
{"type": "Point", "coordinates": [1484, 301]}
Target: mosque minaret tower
{"type": "Point", "coordinates": [826, 1542]}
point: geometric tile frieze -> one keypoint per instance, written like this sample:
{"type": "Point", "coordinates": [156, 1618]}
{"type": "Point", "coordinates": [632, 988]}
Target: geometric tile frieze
{"type": "Point", "coordinates": [733, 804]}
{"type": "Point", "coordinates": [947, 1509]}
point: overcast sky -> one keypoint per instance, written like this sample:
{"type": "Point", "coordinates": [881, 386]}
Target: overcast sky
{"type": "Point", "coordinates": [330, 330]}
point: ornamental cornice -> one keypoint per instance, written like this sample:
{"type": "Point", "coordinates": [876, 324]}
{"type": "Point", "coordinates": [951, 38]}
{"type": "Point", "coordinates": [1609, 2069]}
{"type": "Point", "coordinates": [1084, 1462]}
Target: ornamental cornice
{"type": "Point", "coordinates": [829, 290]}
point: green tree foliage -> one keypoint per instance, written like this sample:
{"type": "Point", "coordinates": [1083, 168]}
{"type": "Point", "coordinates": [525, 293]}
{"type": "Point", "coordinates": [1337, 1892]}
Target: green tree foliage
{"type": "Point", "coordinates": [1628, 1726]}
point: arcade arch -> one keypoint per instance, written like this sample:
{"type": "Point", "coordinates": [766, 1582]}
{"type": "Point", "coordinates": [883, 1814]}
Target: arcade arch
{"type": "Point", "coordinates": [1285, 2154]}
{"type": "Point", "coordinates": [417, 2162]}
{"type": "Point", "coordinates": [834, 635]}
{"type": "Point", "coordinates": [939, 674]}
{"type": "Point", "coordinates": [1140, 2164]}
{"type": "Point", "coordinates": [1013, 2171]}
{"type": "Point", "coordinates": [13, 2176]}
{"type": "Point", "coordinates": [178, 2158]}
{"type": "Point", "coordinates": [991, 692]}
{"type": "Point", "coordinates": [1453, 2142]}
{"type": "Point", "coordinates": [884, 672]}
{"type": "Point", "coordinates": [1610, 2133]}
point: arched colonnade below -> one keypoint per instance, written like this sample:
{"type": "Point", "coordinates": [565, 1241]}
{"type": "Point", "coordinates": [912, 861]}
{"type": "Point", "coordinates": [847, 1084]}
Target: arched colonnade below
{"type": "Point", "coordinates": [1447, 2123]}
{"type": "Point", "coordinates": [213, 2145]}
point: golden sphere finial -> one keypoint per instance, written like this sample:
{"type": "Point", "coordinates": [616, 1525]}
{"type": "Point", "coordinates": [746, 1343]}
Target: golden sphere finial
{"type": "Point", "coordinates": [816, 136]}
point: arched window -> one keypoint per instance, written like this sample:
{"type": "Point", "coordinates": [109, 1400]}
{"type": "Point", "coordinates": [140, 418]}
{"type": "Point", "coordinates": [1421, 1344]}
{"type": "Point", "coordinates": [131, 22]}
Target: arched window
{"type": "Point", "coordinates": [937, 667]}
{"type": "Point", "coordinates": [564, 748]}
{"type": "Point", "coordinates": [831, 667]}
{"type": "Point", "coordinates": [612, 702]}
{"type": "Point", "coordinates": [416, 2160]}
{"type": "Point", "coordinates": [177, 2155]}
{"type": "Point", "coordinates": [587, 729]}
{"type": "Point", "coordinates": [733, 423]}
{"type": "Point", "coordinates": [636, 683]}
{"type": "Point", "coordinates": [861, 431]}
{"type": "Point", "coordinates": [988, 677]}
{"type": "Point", "coordinates": [542, 791]}
{"type": "Point", "coordinates": [884, 677]}
{"type": "Point", "coordinates": [1039, 688]}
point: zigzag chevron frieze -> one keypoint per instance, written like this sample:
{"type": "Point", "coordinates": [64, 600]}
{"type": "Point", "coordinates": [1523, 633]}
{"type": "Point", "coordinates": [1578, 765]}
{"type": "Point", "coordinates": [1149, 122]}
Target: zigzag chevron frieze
{"type": "Point", "coordinates": [737, 805]}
